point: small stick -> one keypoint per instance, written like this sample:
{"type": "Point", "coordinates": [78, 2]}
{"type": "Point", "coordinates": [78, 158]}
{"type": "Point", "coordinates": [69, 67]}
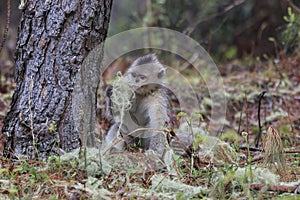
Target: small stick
{"type": "Point", "coordinates": [240, 121]}
{"type": "Point", "coordinates": [250, 148]}
{"type": "Point", "coordinates": [257, 139]}
{"type": "Point", "coordinates": [292, 151]}
{"type": "Point", "coordinates": [128, 134]}
{"type": "Point", "coordinates": [277, 188]}
{"type": "Point", "coordinates": [260, 157]}
{"type": "Point", "coordinates": [247, 114]}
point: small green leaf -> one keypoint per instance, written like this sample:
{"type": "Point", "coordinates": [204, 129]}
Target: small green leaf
{"type": "Point", "coordinates": [12, 191]}
{"type": "Point", "coordinates": [292, 18]}
{"type": "Point", "coordinates": [231, 52]}
{"type": "Point", "coordinates": [18, 169]}
{"type": "Point", "coordinates": [244, 134]}
{"type": "Point", "coordinates": [180, 114]}
{"type": "Point", "coordinates": [198, 116]}
{"type": "Point", "coordinates": [52, 127]}
{"type": "Point", "coordinates": [289, 11]}
{"type": "Point", "coordinates": [271, 39]}
{"type": "Point", "coordinates": [4, 170]}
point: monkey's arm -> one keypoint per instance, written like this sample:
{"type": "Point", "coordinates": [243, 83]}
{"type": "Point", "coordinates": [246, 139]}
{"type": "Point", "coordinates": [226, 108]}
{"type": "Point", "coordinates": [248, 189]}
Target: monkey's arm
{"type": "Point", "coordinates": [158, 115]}
{"type": "Point", "coordinates": [112, 136]}
{"type": "Point", "coordinates": [108, 103]}
{"type": "Point", "coordinates": [158, 111]}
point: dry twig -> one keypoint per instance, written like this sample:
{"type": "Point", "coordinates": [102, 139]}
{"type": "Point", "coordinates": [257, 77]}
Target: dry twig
{"type": "Point", "coordinates": [275, 188]}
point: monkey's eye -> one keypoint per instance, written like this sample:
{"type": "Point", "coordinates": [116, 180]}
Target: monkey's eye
{"type": "Point", "coordinates": [143, 78]}
{"type": "Point", "coordinates": [133, 75]}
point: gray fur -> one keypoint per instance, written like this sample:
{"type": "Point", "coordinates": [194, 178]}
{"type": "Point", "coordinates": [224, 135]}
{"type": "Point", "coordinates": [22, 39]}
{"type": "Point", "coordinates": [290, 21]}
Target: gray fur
{"type": "Point", "coordinates": [149, 107]}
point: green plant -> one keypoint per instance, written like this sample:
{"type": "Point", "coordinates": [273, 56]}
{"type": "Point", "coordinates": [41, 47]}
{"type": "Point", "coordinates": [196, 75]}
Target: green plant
{"type": "Point", "coordinates": [196, 137]}
{"type": "Point", "coordinates": [230, 136]}
{"type": "Point", "coordinates": [245, 135]}
{"type": "Point", "coordinates": [291, 35]}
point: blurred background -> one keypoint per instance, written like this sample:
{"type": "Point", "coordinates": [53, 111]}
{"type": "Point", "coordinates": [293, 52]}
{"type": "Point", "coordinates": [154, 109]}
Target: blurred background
{"type": "Point", "coordinates": [227, 29]}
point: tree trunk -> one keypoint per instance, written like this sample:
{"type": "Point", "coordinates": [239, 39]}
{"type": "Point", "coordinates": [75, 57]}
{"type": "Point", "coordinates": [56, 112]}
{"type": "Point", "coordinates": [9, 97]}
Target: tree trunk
{"type": "Point", "coordinates": [53, 106]}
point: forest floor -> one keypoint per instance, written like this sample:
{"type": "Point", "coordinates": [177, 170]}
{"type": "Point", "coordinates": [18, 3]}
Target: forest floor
{"type": "Point", "coordinates": [193, 177]}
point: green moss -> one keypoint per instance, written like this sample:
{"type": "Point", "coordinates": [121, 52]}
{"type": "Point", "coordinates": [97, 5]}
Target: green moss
{"type": "Point", "coordinates": [230, 136]}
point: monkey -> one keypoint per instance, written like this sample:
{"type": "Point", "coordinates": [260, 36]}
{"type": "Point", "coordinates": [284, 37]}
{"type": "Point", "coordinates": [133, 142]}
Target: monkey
{"type": "Point", "coordinates": [149, 107]}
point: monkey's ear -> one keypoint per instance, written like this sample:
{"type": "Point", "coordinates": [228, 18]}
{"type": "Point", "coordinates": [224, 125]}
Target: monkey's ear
{"type": "Point", "coordinates": [161, 73]}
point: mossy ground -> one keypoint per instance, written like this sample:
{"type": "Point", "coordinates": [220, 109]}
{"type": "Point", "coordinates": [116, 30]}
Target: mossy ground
{"type": "Point", "coordinates": [280, 108]}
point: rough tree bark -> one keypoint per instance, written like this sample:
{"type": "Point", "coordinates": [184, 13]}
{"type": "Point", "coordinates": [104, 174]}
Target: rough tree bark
{"type": "Point", "coordinates": [54, 102]}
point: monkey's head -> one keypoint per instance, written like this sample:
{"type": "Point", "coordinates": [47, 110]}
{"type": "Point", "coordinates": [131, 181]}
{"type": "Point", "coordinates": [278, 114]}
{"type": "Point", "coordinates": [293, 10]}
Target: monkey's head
{"type": "Point", "coordinates": [146, 74]}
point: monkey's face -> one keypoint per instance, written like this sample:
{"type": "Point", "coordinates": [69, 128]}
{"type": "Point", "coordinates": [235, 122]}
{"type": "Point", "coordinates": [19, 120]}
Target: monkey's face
{"type": "Point", "coordinates": [146, 79]}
